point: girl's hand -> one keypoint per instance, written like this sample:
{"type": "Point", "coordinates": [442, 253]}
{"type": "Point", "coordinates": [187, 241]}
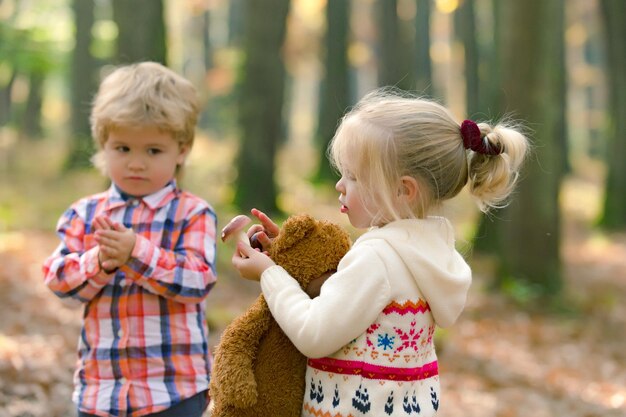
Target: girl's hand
{"type": "Point", "coordinates": [250, 262]}
{"type": "Point", "coordinates": [262, 233]}
{"type": "Point", "coordinates": [116, 244]}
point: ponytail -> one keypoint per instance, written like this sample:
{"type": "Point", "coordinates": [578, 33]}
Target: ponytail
{"type": "Point", "coordinates": [492, 176]}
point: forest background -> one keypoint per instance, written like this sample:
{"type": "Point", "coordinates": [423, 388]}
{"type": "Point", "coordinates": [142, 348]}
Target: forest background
{"type": "Point", "coordinates": [543, 332]}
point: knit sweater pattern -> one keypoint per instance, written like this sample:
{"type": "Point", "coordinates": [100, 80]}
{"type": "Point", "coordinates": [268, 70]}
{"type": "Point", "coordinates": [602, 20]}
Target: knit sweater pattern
{"type": "Point", "coordinates": [369, 335]}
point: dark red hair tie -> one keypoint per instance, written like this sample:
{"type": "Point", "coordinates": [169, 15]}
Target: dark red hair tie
{"type": "Point", "coordinates": [473, 140]}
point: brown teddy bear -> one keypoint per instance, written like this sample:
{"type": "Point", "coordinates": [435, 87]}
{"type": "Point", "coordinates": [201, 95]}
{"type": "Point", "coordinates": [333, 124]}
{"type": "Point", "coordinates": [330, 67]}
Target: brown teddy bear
{"type": "Point", "coordinates": [257, 371]}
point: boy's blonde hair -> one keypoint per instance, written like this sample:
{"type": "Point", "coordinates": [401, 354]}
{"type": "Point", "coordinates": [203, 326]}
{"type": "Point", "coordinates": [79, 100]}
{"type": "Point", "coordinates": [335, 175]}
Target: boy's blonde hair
{"type": "Point", "coordinates": [144, 94]}
{"type": "Point", "coordinates": [389, 134]}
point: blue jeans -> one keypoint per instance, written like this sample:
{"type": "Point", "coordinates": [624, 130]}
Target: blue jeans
{"type": "Point", "coordinates": [191, 407]}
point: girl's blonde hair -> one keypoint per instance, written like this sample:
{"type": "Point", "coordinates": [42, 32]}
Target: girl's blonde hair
{"type": "Point", "coordinates": [388, 135]}
{"type": "Point", "coordinates": [144, 94]}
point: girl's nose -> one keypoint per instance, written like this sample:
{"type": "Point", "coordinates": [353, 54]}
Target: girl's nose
{"type": "Point", "coordinates": [339, 185]}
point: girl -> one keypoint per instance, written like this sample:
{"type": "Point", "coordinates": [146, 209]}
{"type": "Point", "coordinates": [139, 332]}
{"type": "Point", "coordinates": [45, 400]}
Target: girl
{"type": "Point", "coordinates": [369, 334]}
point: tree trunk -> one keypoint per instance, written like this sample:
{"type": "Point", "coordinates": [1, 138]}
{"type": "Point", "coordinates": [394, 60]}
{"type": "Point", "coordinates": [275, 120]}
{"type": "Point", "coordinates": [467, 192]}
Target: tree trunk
{"type": "Point", "coordinates": [334, 94]}
{"type": "Point", "coordinates": [486, 237]}
{"type": "Point", "coordinates": [31, 122]}
{"type": "Point", "coordinates": [395, 55]}
{"type": "Point", "coordinates": [614, 212]}
{"type": "Point", "coordinates": [261, 92]}
{"type": "Point", "coordinates": [83, 83]}
{"type": "Point", "coordinates": [207, 47]}
{"type": "Point", "coordinates": [423, 67]}
{"type": "Point", "coordinates": [532, 66]}
{"type": "Point", "coordinates": [141, 31]}
{"type": "Point", "coordinates": [466, 31]}
{"type": "Point", "coordinates": [6, 106]}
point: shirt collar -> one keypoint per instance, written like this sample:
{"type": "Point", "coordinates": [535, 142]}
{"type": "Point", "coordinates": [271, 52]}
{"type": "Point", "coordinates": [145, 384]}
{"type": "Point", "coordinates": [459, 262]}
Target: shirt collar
{"type": "Point", "coordinates": [118, 198]}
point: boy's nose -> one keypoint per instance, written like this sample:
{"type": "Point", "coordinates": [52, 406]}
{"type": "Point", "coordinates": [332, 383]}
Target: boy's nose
{"type": "Point", "coordinates": [136, 164]}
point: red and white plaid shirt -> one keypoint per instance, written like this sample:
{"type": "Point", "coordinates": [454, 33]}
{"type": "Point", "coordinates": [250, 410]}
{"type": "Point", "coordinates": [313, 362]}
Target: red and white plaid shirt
{"type": "Point", "coordinates": [143, 346]}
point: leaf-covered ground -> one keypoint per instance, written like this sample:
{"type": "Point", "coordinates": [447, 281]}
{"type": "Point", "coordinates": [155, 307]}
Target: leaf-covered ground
{"type": "Point", "coordinates": [500, 359]}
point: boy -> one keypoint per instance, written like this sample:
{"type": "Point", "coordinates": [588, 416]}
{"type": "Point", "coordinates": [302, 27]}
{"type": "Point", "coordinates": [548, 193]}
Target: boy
{"type": "Point", "coordinates": [140, 256]}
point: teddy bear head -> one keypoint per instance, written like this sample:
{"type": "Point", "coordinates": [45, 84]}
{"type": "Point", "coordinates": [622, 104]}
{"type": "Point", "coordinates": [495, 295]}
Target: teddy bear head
{"type": "Point", "coordinates": [308, 248]}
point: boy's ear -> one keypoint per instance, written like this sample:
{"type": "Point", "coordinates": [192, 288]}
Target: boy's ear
{"type": "Point", "coordinates": [183, 151]}
{"type": "Point", "coordinates": [409, 188]}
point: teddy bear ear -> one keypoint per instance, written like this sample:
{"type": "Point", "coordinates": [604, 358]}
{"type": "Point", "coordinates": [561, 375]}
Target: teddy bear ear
{"type": "Point", "coordinates": [294, 229]}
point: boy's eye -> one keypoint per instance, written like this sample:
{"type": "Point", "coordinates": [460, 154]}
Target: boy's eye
{"type": "Point", "coordinates": [154, 151]}
{"type": "Point", "coordinates": [122, 149]}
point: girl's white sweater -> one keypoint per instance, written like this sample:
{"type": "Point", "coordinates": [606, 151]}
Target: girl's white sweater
{"type": "Point", "coordinates": [369, 334]}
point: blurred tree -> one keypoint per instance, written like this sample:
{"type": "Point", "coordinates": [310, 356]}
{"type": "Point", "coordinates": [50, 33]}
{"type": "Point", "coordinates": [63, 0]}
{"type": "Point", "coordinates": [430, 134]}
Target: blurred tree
{"type": "Point", "coordinates": [141, 31]}
{"type": "Point", "coordinates": [395, 51]}
{"type": "Point", "coordinates": [465, 28]}
{"type": "Point", "coordinates": [31, 120]}
{"type": "Point", "coordinates": [531, 55]}
{"type": "Point", "coordinates": [261, 91]}
{"type": "Point", "coordinates": [82, 85]}
{"type": "Point", "coordinates": [235, 21]}
{"type": "Point", "coordinates": [25, 55]}
{"type": "Point", "coordinates": [423, 72]}
{"type": "Point", "coordinates": [206, 40]}
{"type": "Point", "coordinates": [334, 89]}
{"type": "Point", "coordinates": [489, 93]}
{"type": "Point", "coordinates": [8, 51]}
{"type": "Point", "coordinates": [614, 212]}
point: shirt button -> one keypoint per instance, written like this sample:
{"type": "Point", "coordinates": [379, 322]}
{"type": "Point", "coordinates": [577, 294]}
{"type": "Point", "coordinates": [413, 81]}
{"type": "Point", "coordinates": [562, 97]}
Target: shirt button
{"type": "Point", "coordinates": [120, 333]}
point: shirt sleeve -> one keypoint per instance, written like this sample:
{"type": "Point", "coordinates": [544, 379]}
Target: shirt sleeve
{"type": "Point", "coordinates": [185, 274]}
{"type": "Point", "coordinates": [72, 270]}
{"type": "Point", "coordinates": [349, 302]}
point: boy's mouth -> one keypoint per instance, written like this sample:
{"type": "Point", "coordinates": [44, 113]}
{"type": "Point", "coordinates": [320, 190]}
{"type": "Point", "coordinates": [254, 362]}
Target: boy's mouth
{"type": "Point", "coordinates": [344, 208]}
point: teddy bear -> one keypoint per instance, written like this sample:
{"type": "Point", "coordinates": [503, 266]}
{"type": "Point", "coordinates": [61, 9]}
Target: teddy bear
{"type": "Point", "coordinates": [257, 371]}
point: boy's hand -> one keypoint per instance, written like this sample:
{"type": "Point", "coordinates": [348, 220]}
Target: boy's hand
{"type": "Point", "coordinates": [250, 262]}
{"type": "Point", "coordinates": [116, 244]}
{"type": "Point", "coordinates": [262, 233]}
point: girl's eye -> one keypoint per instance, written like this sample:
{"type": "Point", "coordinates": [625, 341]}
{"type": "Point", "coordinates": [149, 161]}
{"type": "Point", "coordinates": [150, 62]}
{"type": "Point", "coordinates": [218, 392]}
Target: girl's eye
{"type": "Point", "coordinates": [122, 149]}
{"type": "Point", "coordinates": [154, 151]}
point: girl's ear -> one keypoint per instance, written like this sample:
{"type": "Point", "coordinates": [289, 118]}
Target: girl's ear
{"type": "Point", "coordinates": [409, 188]}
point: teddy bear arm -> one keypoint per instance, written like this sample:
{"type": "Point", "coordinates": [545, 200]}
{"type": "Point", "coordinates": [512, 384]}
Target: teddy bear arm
{"type": "Point", "coordinates": [233, 380]}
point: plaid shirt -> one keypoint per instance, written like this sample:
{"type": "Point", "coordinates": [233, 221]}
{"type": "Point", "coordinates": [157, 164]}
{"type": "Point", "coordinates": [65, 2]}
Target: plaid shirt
{"type": "Point", "coordinates": [143, 346]}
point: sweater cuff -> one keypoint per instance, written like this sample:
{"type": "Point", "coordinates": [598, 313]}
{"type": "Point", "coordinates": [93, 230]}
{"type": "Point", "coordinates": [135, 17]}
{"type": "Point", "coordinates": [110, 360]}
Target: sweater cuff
{"type": "Point", "coordinates": [275, 278]}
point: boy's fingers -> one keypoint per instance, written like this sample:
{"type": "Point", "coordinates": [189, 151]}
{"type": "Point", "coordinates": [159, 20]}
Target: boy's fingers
{"type": "Point", "coordinates": [109, 265]}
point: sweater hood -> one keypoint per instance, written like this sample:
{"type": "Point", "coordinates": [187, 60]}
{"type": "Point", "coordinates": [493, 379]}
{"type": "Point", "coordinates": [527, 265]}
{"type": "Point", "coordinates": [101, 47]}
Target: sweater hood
{"type": "Point", "coordinates": [426, 247]}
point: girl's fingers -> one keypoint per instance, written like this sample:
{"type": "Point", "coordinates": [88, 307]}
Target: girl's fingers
{"type": "Point", "coordinates": [269, 226]}
{"type": "Point", "coordinates": [254, 229]}
{"type": "Point", "coordinates": [261, 240]}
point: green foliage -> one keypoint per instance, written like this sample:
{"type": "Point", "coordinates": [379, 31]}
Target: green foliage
{"type": "Point", "coordinates": [25, 51]}
{"type": "Point", "coordinates": [522, 292]}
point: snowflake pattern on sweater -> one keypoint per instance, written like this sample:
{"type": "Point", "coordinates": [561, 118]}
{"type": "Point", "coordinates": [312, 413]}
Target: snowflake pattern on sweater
{"type": "Point", "coordinates": [390, 370]}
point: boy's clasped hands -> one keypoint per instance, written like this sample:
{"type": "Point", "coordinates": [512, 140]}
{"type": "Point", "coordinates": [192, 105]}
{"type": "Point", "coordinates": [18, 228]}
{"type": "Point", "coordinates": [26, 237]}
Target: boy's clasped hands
{"type": "Point", "coordinates": [116, 243]}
